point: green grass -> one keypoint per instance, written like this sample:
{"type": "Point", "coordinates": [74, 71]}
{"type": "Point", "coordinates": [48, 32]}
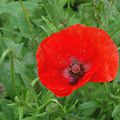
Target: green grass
{"type": "Point", "coordinates": [23, 25]}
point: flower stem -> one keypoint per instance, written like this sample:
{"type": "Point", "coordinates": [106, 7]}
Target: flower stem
{"type": "Point", "coordinates": [13, 72]}
{"type": "Point", "coordinates": [68, 8]}
{"type": "Point", "coordinates": [29, 24]}
{"type": "Point", "coordinates": [5, 53]}
{"type": "Point", "coordinates": [106, 85]}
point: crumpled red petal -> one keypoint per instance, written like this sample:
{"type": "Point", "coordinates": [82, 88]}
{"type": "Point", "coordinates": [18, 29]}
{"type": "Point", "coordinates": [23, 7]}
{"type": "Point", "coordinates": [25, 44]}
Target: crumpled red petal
{"type": "Point", "coordinates": [109, 54]}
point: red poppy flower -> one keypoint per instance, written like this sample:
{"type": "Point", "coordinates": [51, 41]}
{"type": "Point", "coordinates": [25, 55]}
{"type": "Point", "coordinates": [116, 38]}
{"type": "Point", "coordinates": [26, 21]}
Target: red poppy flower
{"type": "Point", "coordinates": [69, 59]}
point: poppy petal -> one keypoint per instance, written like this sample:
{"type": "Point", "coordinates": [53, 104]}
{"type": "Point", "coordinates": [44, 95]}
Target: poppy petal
{"type": "Point", "coordinates": [70, 42]}
{"type": "Point", "coordinates": [109, 55]}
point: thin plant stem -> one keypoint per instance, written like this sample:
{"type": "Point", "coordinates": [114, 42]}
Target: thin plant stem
{"type": "Point", "coordinates": [68, 8]}
{"type": "Point", "coordinates": [13, 71]}
{"type": "Point", "coordinates": [3, 44]}
{"type": "Point", "coordinates": [29, 23]}
{"type": "Point", "coordinates": [5, 53]}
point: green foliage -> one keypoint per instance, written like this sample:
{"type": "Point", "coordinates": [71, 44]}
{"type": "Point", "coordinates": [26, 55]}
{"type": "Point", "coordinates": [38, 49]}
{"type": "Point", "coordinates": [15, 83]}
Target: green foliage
{"type": "Point", "coordinates": [23, 25]}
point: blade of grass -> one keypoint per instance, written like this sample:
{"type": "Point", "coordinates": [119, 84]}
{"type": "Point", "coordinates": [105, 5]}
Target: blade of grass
{"type": "Point", "coordinates": [28, 85]}
{"type": "Point", "coordinates": [115, 31]}
{"type": "Point", "coordinates": [5, 53]}
{"type": "Point", "coordinates": [34, 81]}
{"type": "Point", "coordinates": [20, 110]}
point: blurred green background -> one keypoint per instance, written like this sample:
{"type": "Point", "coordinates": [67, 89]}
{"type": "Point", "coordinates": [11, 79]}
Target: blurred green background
{"type": "Point", "coordinates": [23, 25]}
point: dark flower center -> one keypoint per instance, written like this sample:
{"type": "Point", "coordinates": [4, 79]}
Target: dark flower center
{"type": "Point", "coordinates": [76, 71]}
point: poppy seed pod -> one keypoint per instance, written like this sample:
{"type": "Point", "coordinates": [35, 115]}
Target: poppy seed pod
{"type": "Point", "coordinates": [70, 58]}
